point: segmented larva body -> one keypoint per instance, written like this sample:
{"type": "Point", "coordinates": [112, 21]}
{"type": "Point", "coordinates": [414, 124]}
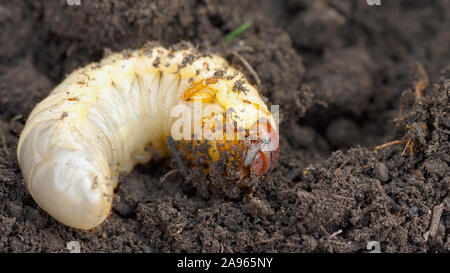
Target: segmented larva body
{"type": "Point", "coordinates": [108, 116]}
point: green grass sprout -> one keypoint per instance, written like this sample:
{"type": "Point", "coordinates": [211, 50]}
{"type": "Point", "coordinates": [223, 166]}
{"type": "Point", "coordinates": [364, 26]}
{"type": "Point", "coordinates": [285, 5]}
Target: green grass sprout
{"type": "Point", "coordinates": [238, 31]}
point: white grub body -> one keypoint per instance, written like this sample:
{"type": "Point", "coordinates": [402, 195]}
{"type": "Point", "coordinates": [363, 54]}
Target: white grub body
{"type": "Point", "coordinates": [105, 118]}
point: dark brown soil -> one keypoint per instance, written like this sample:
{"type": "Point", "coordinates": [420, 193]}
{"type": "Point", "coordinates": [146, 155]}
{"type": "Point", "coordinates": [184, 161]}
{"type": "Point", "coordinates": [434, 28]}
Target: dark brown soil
{"type": "Point", "coordinates": [344, 74]}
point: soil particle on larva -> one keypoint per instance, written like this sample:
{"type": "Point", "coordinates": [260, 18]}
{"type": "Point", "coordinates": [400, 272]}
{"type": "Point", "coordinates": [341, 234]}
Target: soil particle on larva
{"type": "Point", "coordinates": [157, 62]}
{"type": "Point", "coordinates": [239, 86]}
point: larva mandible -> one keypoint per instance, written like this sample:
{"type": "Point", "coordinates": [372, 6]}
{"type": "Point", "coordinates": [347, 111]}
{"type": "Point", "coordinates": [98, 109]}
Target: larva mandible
{"type": "Point", "coordinates": [108, 116]}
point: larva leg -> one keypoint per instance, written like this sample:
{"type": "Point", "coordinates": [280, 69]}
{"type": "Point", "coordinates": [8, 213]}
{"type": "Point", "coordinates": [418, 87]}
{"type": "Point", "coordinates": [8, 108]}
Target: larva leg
{"type": "Point", "coordinates": [108, 116]}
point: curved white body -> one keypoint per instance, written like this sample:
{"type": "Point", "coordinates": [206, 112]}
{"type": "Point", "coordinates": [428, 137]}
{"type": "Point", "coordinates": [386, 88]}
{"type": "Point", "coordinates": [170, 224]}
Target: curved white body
{"type": "Point", "coordinates": [102, 120]}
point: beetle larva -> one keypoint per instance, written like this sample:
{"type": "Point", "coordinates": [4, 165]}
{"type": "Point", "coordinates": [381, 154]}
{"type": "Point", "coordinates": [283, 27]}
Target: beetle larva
{"type": "Point", "coordinates": [108, 116]}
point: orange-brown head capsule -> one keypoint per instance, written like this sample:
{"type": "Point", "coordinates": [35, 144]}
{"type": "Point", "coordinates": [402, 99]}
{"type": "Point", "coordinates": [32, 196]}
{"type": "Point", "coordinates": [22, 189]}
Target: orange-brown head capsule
{"type": "Point", "coordinates": [262, 153]}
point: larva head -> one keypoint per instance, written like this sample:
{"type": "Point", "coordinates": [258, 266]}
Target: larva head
{"type": "Point", "coordinates": [231, 167]}
{"type": "Point", "coordinates": [239, 143]}
{"type": "Point", "coordinates": [262, 152]}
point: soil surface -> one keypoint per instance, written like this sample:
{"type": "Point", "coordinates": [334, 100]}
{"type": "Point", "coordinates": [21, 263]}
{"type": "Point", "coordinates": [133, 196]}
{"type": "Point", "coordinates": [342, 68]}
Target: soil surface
{"type": "Point", "coordinates": [347, 77]}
